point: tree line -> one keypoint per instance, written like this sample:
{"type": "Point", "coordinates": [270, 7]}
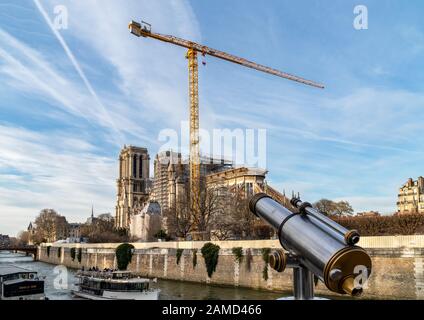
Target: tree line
{"type": "Point", "coordinates": [224, 214]}
{"type": "Point", "coordinates": [50, 226]}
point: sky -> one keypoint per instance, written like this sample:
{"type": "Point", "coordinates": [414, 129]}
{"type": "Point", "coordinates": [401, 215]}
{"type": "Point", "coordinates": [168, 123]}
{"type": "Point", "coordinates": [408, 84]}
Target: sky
{"type": "Point", "coordinates": [73, 94]}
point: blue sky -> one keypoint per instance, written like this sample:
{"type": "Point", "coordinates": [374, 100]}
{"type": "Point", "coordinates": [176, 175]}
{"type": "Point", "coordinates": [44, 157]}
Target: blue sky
{"type": "Point", "coordinates": [70, 99]}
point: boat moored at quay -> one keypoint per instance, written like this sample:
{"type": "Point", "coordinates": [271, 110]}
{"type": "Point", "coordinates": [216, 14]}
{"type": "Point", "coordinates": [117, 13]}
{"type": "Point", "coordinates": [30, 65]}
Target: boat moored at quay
{"type": "Point", "coordinates": [17, 283]}
{"type": "Point", "coordinates": [117, 285]}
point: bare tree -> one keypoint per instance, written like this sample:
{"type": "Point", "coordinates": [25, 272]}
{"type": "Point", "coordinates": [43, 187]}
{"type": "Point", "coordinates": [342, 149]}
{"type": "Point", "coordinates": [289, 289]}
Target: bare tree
{"type": "Point", "coordinates": [103, 231]}
{"type": "Point", "coordinates": [178, 219]}
{"type": "Point", "coordinates": [23, 238]}
{"type": "Point", "coordinates": [211, 204]}
{"type": "Point", "coordinates": [50, 225]}
{"type": "Point", "coordinates": [236, 220]}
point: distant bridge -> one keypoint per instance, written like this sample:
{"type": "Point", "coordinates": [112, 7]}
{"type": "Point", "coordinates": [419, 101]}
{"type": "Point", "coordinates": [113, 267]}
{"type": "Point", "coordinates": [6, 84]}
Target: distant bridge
{"type": "Point", "coordinates": [27, 249]}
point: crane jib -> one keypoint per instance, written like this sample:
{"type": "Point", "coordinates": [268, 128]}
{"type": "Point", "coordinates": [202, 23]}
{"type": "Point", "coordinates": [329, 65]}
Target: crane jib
{"type": "Point", "coordinates": [138, 30]}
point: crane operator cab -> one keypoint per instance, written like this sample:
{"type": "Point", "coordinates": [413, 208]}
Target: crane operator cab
{"type": "Point", "coordinates": [140, 29]}
{"type": "Point", "coordinates": [146, 27]}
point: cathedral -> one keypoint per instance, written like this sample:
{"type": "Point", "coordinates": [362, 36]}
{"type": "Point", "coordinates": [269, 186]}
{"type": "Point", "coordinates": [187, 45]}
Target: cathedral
{"type": "Point", "coordinates": [142, 202]}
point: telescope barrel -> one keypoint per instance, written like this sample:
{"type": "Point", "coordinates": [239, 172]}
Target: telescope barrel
{"type": "Point", "coordinates": [319, 247]}
{"type": "Point", "coordinates": [326, 228]}
{"type": "Point", "coordinates": [351, 237]}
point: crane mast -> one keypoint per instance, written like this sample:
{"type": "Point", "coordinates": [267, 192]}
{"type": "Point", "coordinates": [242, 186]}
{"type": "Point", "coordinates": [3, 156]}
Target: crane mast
{"type": "Point", "coordinates": [143, 29]}
{"type": "Point", "coordinates": [194, 162]}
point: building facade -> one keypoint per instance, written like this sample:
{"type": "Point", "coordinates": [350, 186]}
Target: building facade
{"type": "Point", "coordinates": [74, 231]}
{"type": "Point", "coordinates": [242, 177]}
{"type": "Point", "coordinates": [172, 174]}
{"type": "Point", "coordinates": [411, 197]}
{"type": "Point", "coordinates": [168, 168]}
{"type": "Point", "coordinates": [4, 241]}
{"type": "Point", "coordinates": [133, 184]}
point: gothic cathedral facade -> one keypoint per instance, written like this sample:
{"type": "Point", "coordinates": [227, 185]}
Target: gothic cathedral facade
{"type": "Point", "coordinates": [133, 184]}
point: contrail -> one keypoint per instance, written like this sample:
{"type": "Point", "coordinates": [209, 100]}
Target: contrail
{"type": "Point", "coordinates": [79, 70]}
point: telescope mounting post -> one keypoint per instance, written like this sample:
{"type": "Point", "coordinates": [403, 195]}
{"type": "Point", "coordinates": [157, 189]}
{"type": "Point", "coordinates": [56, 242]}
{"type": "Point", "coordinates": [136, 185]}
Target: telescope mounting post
{"type": "Point", "coordinates": [303, 278]}
{"type": "Point", "coordinates": [303, 283]}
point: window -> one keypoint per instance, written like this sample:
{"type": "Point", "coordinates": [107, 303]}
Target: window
{"type": "Point", "coordinates": [249, 189]}
{"type": "Point", "coordinates": [135, 166]}
{"type": "Point", "coordinates": [135, 187]}
{"type": "Point", "coordinates": [140, 169]}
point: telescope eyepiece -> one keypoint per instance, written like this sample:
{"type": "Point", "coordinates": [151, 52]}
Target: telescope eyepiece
{"type": "Point", "coordinates": [278, 260]}
{"type": "Point", "coordinates": [349, 287]}
{"type": "Point", "coordinates": [352, 237]}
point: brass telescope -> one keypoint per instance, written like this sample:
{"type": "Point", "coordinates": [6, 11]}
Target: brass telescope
{"type": "Point", "coordinates": [314, 246]}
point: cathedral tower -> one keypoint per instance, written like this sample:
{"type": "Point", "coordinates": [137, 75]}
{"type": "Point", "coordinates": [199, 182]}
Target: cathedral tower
{"type": "Point", "coordinates": [133, 183]}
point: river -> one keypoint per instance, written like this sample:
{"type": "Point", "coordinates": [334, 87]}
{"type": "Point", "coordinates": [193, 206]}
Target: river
{"type": "Point", "coordinates": [170, 290]}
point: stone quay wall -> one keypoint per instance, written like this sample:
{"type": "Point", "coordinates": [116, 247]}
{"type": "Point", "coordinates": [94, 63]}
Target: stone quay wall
{"type": "Point", "coordinates": [398, 269]}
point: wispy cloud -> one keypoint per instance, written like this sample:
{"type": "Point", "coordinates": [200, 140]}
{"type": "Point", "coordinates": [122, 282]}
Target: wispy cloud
{"type": "Point", "coordinates": [54, 171]}
{"type": "Point", "coordinates": [81, 73]}
{"type": "Point", "coordinates": [152, 76]}
{"type": "Point", "coordinates": [74, 166]}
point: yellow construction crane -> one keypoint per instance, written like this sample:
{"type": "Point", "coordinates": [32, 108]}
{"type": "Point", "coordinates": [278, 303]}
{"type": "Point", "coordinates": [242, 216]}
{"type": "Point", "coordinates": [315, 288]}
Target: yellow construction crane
{"type": "Point", "coordinates": [144, 29]}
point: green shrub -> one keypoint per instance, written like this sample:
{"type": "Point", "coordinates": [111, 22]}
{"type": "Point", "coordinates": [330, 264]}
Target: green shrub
{"type": "Point", "coordinates": [238, 254]}
{"type": "Point", "coordinates": [194, 258]}
{"type": "Point", "coordinates": [249, 260]}
{"type": "Point", "coordinates": [210, 253]}
{"type": "Point", "coordinates": [79, 255]}
{"type": "Point", "coordinates": [124, 254]}
{"type": "Point", "coordinates": [265, 258]}
{"type": "Point", "coordinates": [179, 254]}
{"type": "Point", "coordinates": [73, 252]}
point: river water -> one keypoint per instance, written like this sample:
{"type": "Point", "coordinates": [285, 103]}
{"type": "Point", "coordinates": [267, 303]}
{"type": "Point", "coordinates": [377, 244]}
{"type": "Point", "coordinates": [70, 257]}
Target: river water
{"type": "Point", "coordinates": [58, 286]}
